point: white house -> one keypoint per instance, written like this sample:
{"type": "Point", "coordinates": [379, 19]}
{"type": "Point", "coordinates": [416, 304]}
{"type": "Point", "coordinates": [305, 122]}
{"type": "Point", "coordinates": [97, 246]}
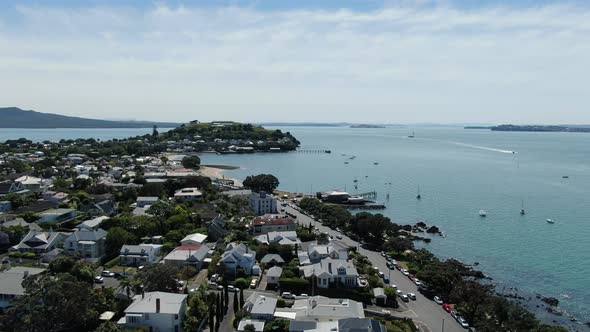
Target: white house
{"type": "Point", "coordinates": [41, 242]}
{"type": "Point", "coordinates": [260, 307]}
{"type": "Point", "coordinates": [92, 224]}
{"type": "Point", "coordinates": [195, 239]}
{"type": "Point", "coordinates": [322, 309]}
{"type": "Point", "coordinates": [263, 203]}
{"type": "Point", "coordinates": [282, 238]}
{"type": "Point", "coordinates": [143, 254]}
{"type": "Point", "coordinates": [258, 325]}
{"type": "Point", "coordinates": [157, 311]}
{"type": "Point", "coordinates": [340, 325]}
{"type": "Point", "coordinates": [238, 256]}
{"type": "Point", "coordinates": [274, 275]}
{"type": "Point", "coordinates": [11, 281]}
{"type": "Point", "coordinates": [87, 243]}
{"type": "Point", "coordinates": [190, 194]}
{"type": "Point", "coordinates": [188, 255]}
{"type": "Point", "coordinates": [329, 271]}
{"type": "Point", "coordinates": [316, 252]}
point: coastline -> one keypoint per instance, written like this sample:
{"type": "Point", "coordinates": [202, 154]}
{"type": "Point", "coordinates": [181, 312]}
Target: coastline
{"type": "Point", "coordinates": [215, 172]}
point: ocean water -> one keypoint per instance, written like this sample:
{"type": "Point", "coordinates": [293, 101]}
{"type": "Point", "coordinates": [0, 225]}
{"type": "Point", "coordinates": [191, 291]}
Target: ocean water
{"type": "Point", "coordinates": [460, 172]}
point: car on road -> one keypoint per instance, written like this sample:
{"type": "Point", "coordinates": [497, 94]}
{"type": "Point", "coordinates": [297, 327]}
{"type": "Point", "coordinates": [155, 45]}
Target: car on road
{"type": "Point", "coordinates": [253, 283]}
{"type": "Point", "coordinates": [214, 277]}
{"type": "Point", "coordinates": [386, 280]}
{"type": "Point", "coordinates": [381, 274]}
{"type": "Point", "coordinates": [303, 296]}
{"type": "Point", "coordinates": [462, 322]}
{"type": "Point", "coordinates": [447, 307]}
{"type": "Point", "coordinates": [98, 279]}
{"type": "Point", "coordinates": [288, 296]}
{"type": "Point", "coordinates": [394, 286]}
{"type": "Point", "coordinates": [339, 237]}
{"type": "Point", "coordinates": [405, 272]}
{"type": "Point", "coordinates": [404, 297]}
{"type": "Point", "coordinates": [454, 314]}
{"type": "Point", "coordinates": [399, 292]}
{"type": "Point", "coordinates": [231, 288]}
{"type": "Point", "coordinates": [412, 296]}
{"type": "Point", "coordinates": [108, 274]}
{"type": "Point", "coordinates": [438, 300]}
{"type": "Point", "coordinates": [390, 266]}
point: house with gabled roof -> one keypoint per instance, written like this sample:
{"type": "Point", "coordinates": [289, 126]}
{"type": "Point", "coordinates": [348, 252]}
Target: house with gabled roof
{"type": "Point", "coordinates": [330, 271]}
{"type": "Point", "coordinates": [41, 242]}
{"type": "Point", "coordinates": [138, 255]}
{"type": "Point", "coordinates": [238, 256]}
{"type": "Point", "coordinates": [89, 244]}
{"type": "Point", "coordinates": [158, 311]}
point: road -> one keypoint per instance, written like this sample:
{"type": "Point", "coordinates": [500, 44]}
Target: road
{"type": "Point", "coordinates": [423, 310]}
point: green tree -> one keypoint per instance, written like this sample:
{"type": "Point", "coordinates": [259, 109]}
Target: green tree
{"type": "Point", "coordinates": [249, 328]}
{"type": "Point", "coordinates": [192, 162]}
{"type": "Point", "coordinates": [108, 327]}
{"type": "Point", "coordinates": [159, 277]}
{"type": "Point", "coordinates": [261, 182]}
{"type": "Point", "coordinates": [236, 304]}
{"type": "Point", "coordinates": [116, 238]}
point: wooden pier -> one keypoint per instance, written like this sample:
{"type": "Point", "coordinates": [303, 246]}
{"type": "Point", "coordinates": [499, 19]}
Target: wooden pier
{"type": "Point", "coordinates": [313, 151]}
{"type": "Point", "coordinates": [370, 196]}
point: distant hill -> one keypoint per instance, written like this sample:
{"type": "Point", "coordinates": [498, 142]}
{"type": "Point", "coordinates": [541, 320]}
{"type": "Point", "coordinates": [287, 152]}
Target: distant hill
{"type": "Point", "coordinates": [14, 117]}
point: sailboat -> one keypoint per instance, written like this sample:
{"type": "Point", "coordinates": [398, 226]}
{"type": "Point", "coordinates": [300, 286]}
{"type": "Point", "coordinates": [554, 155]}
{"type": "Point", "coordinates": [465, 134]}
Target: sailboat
{"type": "Point", "coordinates": [412, 136]}
{"type": "Point", "coordinates": [551, 221]}
{"type": "Point", "coordinates": [522, 212]}
{"type": "Point", "coordinates": [418, 196]}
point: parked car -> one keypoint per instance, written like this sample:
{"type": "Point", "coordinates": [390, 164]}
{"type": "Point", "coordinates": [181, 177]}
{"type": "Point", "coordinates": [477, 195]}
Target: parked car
{"type": "Point", "coordinates": [405, 272]}
{"type": "Point", "coordinates": [381, 274]}
{"type": "Point", "coordinates": [412, 296]}
{"type": "Point", "coordinates": [454, 314]}
{"type": "Point", "coordinates": [107, 273]}
{"type": "Point", "coordinates": [438, 300]}
{"type": "Point", "coordinates": [214, 277]}
{"type": "Point", "coordinates": [399, 292]}
{"type": "Point", "coordinates": [288, 296]}
{"type": "Point", "coordinates": [386, 280]}
{"type": "Point", "coordinates": [404, 298]}
{"type": "Point", "coordinates": [462, 322]}
{"type": "Point", "coordinates": [253, 283]}
{"type": "Point", "coordinates": [231, 288]}
{"type": "Point", "coordinates": [447, 307]}
{"type": "Point", "coordinates": [98, 279]}
{"type": "Point", "coordinates": [303, 296]}
{"type": "Point", "coordinates": [383, 254]}
{"type": "Point", "coordinates": [339, 237]}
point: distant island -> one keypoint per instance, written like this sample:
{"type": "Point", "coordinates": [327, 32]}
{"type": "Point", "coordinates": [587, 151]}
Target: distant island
{"type": "Point", "coordinates": [477, 127]}
{"type": "Point", "coordinates": [14, 117]}
{"type": "Point", "coordinates": [540, 128]}
{"type": "Point", "coordinates": [367, 126]}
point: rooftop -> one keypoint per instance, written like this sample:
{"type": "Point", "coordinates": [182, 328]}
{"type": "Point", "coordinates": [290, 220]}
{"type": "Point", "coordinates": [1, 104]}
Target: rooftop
{"type": "Point", "coordinates": [170, 303]}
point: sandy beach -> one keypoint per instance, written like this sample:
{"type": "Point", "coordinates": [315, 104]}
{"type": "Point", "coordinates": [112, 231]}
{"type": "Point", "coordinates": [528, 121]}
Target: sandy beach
{"type": "Point", "coordinates": [216, 172]}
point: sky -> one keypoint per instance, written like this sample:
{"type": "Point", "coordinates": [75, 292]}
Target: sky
{"type": "Point", "coordinates": [404, 61]}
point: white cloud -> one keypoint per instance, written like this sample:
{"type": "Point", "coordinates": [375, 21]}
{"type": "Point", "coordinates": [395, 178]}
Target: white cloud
{"type": "Point", "coordinates": [403, 63]}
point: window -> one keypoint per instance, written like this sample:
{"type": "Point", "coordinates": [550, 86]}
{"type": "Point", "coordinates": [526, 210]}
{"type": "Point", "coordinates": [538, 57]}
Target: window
{"type": "Point", "coordinates": [176, 318]}
{"type": "Point", "coordinates": [147, 316]}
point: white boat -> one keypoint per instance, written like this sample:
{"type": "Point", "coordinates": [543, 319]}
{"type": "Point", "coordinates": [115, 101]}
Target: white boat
{"type": "Point", "coordinates": [551, 221]}
{"type": "Point", "coordinates": [482, 213]}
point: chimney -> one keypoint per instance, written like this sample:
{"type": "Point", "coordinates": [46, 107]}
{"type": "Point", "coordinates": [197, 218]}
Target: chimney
{"type": "Point", "coordinates": [25, 274]}
{"type": "Point", "coordinates": [157, 305]}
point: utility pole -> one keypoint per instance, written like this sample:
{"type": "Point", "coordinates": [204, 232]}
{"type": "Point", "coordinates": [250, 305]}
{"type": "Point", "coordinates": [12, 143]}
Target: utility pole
{"type": "Point", "coordinates": [443, 325]}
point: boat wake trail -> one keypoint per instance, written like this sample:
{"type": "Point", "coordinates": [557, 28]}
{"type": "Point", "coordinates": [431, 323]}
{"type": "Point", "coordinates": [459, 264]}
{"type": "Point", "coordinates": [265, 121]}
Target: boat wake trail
{"type": "Point", "coordinates": [483, 147]}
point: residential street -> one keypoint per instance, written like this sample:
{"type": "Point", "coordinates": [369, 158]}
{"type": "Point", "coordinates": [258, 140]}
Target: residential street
{"type": "Point", "coordinates": [422, 310]}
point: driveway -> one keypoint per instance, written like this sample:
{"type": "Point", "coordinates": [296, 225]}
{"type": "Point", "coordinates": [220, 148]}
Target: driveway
{"type": "Point", "coordinates": [425, 312]}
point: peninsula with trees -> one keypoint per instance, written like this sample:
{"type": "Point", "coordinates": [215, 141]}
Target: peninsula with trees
{"type": "Point", "coordinates": [541, 128]}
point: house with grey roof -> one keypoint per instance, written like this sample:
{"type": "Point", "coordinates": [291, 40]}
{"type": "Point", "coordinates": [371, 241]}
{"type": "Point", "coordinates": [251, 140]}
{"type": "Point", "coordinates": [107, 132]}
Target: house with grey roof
{"type": "Point", "coordinates": [188, 255]}
{"type": "Point", "coordinates": [88, 244]}
{"type": "Point", "coordinates": [282, 238]}
{"type": "Point", "coordinates": [57, 215]}
{"type": "Point", "coordinates": [92, 224]}
{"type": "Point", "coordinates": [322, 309]}
{"type": "Point", "coordinates": [41, 242]}
{"type": "Point", "coordinates": [260, 307]}
{"type": "Point", "coordinates": [274, 274]}
{"type": "Point", "coordinates": [272, 259]}
{"type": "Point", "coordinates": [138, 255]}
{"type": "Point", "coordinates": [144, 201]}
{"type": "Point", "coordinates": [331, 271]}
{"type": "Point", "coordinates": [157, 311]}
{"type": "Point", "coordinates": [11, 281]}
{"type": "Point", "coordinates": [238, 256]}
{"type": "Point", "coordinates": [217, 229]}
{"type": "Point", "coordinates": [341, 325]}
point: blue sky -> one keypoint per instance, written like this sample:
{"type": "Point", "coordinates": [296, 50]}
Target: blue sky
{"type": "Point", "coordinates": [441, 61]}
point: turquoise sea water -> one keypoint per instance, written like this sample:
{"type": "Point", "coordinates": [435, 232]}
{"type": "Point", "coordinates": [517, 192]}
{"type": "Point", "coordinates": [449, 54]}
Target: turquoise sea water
{"type": "Point", "coordinates": [459, 173]}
